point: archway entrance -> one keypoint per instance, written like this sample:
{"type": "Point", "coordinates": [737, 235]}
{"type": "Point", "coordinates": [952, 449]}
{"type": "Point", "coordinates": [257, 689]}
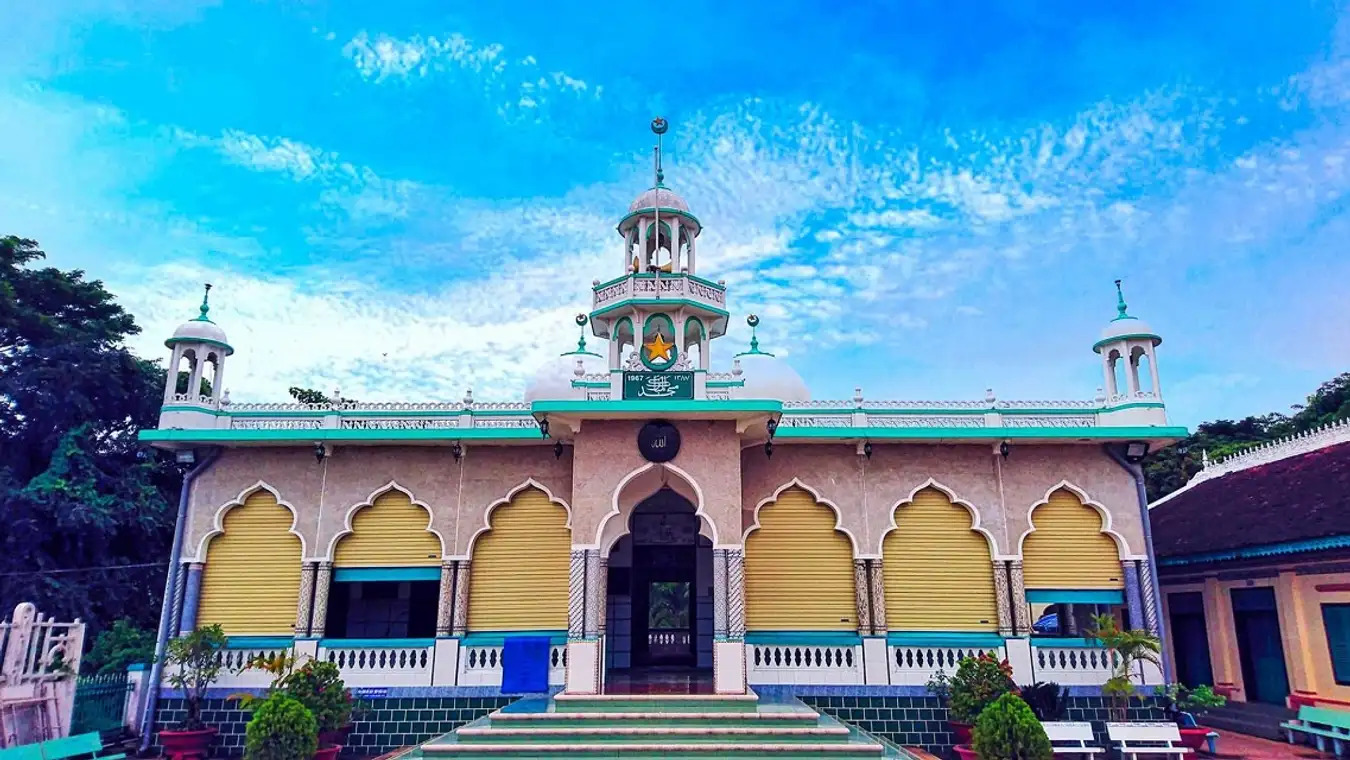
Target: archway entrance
{"type": "Point", "coordinates": [659, 610]}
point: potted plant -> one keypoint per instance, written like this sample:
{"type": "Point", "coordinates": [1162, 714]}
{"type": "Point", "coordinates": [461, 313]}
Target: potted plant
{"type": "Point", "coordinates": [1184, 705]}
{"type": "Point", "coordinates": [195, 660]}
{"type": "Point", "coordinates": [1008, 730]}
{"type": "Point", "coordinates": [281, 729]}
{"type": "Point", "coordinates": [1048, 700]}
{"type": "Point", "coordinates": [977, 683]}
{"type": "Point", "coordinates": [318, 686]}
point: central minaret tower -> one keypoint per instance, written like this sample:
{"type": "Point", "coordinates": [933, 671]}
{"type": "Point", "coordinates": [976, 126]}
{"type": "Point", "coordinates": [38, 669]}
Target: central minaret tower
{"type": "Point", "coordinates": [658, 315]}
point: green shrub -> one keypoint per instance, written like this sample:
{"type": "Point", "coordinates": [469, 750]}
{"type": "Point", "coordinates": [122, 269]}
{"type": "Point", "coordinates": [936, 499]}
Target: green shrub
{"type": "Point", "coordinates": [117, 647]}
{"type": "Point", "coordinates": [193, 664]}
{"type": "Point", "coordinates": [318, 685]}
{"type": "Point", "coordinates": [1047, 699]}
{"type": "Point", "coordinates": [1008, 730]}
{"type": "Point", "coordinates": [977, 683]}
{"type": "Point", "coordinates": [281, 729]}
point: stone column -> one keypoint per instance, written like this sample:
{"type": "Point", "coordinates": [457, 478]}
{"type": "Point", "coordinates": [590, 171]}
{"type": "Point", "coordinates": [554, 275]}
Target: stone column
{"type": "Point", "coordinates": [736, 594]}
{"type": "Point", "coordinates": [1134, 601]}
{"type": "Point", "coordinates": [322, 581]}
{"type": "Point", "coordinates": [459, 619]}
{"type": "Point", "coordinates": [1004, 596]}
{"type": "Point", "coordinates": [576, 596]}
{"type": "Point", "coordinates": [1021, 613]}
{"type": "Point", "coordinates": [862, 596]}
{"type": "Point", "coordinates": [191, 598]}
{"type": "Point", "coordinates": [445, 601]}
{"type": "Point", "coordinates": [602, 594]}
{"type": "Point", "coordinates": [1070, 622]}
{"type": "Point", "coordinates": [592, 593]}
{"type": "Point", "coordinates": [176, 600]}
{"type": "Point", "coordinates": [876, 573]}
{"type": "Point", "coordinates": [1150, 600]}
{"type": "Point", "coordinates": [719, 594]}
{"type": "Point", "coordinates": [304, 610]}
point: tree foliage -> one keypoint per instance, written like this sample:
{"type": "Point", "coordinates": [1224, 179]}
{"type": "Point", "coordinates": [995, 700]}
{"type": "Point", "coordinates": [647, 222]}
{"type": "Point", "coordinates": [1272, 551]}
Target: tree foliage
{"type": "Point", "coordinates": [118, 646]}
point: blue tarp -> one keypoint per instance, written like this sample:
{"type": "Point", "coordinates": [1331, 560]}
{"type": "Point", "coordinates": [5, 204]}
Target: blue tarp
{"type": "Point", "coordinates": [525, 664]}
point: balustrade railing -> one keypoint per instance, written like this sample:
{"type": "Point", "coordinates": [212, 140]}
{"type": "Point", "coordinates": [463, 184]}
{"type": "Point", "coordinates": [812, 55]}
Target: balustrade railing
{"type": "Point", "coordinates": [381, 666]}
{"type": "Point", "coordinates": [482, 665]}
{"type": "Point", "coordinates": [1072, 666]}
{"type": "Point", "coordinates": [235, 671]}
{"type": "Point", "coordinates": [804, 664]}
{"type": "Point", "coordinates": [915, 665]}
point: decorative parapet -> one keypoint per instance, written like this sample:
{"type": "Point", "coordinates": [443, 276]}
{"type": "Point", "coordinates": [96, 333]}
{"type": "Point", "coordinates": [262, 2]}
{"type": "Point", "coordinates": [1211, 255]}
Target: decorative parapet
{"type": "Point", "coordinates": [1284, 448]}
{"type": "Point", "coordinates": [676, 285]}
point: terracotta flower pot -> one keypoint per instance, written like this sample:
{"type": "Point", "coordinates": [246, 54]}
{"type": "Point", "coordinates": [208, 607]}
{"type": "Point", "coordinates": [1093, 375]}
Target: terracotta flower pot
{"type": "Point", "coordinates": [962, 731]}
{"type": "Point", "coordinates": [1193, 736]}
{"type": "Point", "coordinates": [964, 752]}
{"type": "Point", "coordinates": [328, 753]}
{"type": "Point", "coordinates": [187, 745]}
{"type": "Point", "coordinates": [336, 736]}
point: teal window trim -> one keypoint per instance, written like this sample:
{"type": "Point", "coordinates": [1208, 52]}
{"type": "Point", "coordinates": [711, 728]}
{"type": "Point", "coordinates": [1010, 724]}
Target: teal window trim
{"type": "Point", "coordinates": [1260, 550]}
{"type": "Point", "coordinates": [648, 331]}
{"type": "Point", "coordinates": [804, 638]}
{"type": "Point", "coordinates": [497, 638]}
{"type": "Point", "coordinates": [1336, 622]}
{"type": "Point", "coordinates": [352, 574]}
{"type": "Point", "coordinates": [667, 302]}
{"type": "Point", "coordinates": [376, 643]}
{"type": "Point", "coordinates": [973, 639]}
{"type": "Point", "coordinates": [1066, 642]}
{"type": "Point", "coordinates": [1075, 596]}
{"type": "Point", "coordinates": [1097, 347]}
{"type": "Point", "coordinates": [259, 642]}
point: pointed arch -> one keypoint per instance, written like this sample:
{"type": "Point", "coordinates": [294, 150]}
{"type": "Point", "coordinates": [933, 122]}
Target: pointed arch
{"type": "Point", "coordinates": [253, 558]}
{"type": "Point", "coordinates": [1122, 546]}
{"type": "Point", "coordinates": [384, 490]}
{"type": "Point", "coordinates": [524, 485]}
{"type": "Point", "coordinates": [218, 520]}
{"type": "Point", "coordinates": [616, 507]}
{"type": "Point", "coordinates": [975, 522]}
{"type": "Point", "coordinates": [520, 562]}
{"type": "Point", "coordinates": [815, 494]}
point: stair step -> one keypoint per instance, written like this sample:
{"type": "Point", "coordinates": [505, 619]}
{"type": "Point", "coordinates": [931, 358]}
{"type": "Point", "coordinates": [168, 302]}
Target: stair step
{"type": "Point", "coordinates": [666, 735]}
{"type": "Point", "coordinates": [663, 750]}
{"type": "Point", "coordinates": [666, 719]}
{"type": "Point", "coordinates": [666, 703]}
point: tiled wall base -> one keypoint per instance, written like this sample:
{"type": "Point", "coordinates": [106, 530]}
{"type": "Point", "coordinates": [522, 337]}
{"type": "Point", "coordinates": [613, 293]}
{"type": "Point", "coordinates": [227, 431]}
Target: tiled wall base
{"type": "Point", "coordinates": [390, 723]}
{"type": "Point", "coordinates": [922, 721]}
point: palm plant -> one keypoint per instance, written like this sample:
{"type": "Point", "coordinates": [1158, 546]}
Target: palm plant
{"type": "Point", "coordinates": [1125, 649]}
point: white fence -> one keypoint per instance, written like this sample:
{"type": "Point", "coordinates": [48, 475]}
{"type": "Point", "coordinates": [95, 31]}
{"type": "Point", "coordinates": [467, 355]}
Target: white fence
{"type": "Point", "coordinates": [39, 659]}
{"type": "Point", "coordinates": [1072, 666]}
{"type": "Point", "coordinates": [803, 664]}
{"type": "Point", "coordinates": [381, 666]}
{"type": "Point", "coordinates": [914, 665]}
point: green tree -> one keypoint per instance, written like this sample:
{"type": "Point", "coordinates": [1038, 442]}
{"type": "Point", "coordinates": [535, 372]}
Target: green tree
{"type": "Point", "coordinates": [118, 646]}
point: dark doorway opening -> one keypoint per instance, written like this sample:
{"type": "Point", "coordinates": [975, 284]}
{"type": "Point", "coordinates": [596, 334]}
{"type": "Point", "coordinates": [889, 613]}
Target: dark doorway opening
{"type": "Point", "coordinates": [1190, 641]}
{"type": "Point", "coordinates": [1260, 649]}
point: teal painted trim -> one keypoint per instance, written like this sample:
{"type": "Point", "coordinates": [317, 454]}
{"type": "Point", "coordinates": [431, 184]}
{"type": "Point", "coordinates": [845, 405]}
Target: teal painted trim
{"type": "Point", "coordinates": [978, 434]}
{"type": "Point", "coordinates": [1261, 550]}
{"type": "Point", "coordinates": [259, 642]}
{"type": "Point", "coordinates": [702, 331]}
{"type": "Point", "coordinates": [659, 366]}
{"type": "Point", "coordinates": [137, 667]}
{"type": "Point", "coordinates": [352, 574]}
{"type": "Point", "coordinates": [664, 276]}
{"type": "Point", "coordinates": [376, 643]}
{"type": "Point", "coordinates": [205, 341]}
{"type": "Point", "coordinates": [198, 409]}
{"type": "Point", "coordinates": [1066, 643]}
{"type": "Point", "coordinates": [1132, 336]}
{"type": "Point", "coordinates": [496, 638]}
{"type": "Point", "coordinates": [962, 639]}
{"type": "Point", "coordinates": [588, 384]}
{"type": "Point", "coordinates": [989, 410]}
{"type": "Point", "coordinates": [804, 638]}
{"type": "Point", "coordinates": [664, 211]}
{"type": "Point", "coordinates": [219, 435]}
{"type": "Point", "coordinates": [660, 302]}
{"type": "Point", "coordinates": [346, 414]}
{"type": "Point", "coordinates": [726, 383]}
{"type": "Point", "coordinates": [1075, 596]}
{"type": "Point", "coordinates": [748, 406]}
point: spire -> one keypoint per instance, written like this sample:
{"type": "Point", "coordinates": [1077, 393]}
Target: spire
{"type": "Point", "coordinates": [753, 321]}
{"type": "Point", "coordinates": [659, 126]}
{"type": "Point", "coordinates": [205, 307]}
{"type": "Point", "coordinates": [1120, 303]}
{"type": "Point", "coordinates": [581, 320]}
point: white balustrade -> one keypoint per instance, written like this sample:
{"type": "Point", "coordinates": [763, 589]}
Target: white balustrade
{"type": "Point", "coordinates": [381, 666]}
{"type": "Point", "coordinates": [915, 665]}
{"type": "Point", "coordinates": [1071, 666]}
{"type": "Point", "coordinates": [235, 672]}
{"type": "Point", "coordinates": [482, 665]}
{"type": "Point", "coordinates": [803, 664]}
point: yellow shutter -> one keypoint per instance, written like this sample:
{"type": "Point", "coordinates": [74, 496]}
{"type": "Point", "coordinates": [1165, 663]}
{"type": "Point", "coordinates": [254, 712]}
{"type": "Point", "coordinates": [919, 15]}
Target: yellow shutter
{"type": "Point", "coordinates": [518, 570]}
{"type": "Point", "coordinates": [1068, 549]}
{"type": "Point", "coordinates": [798, 569]}
{"type": "Point", "coordinates": [251, 583]}
{"type": "Point", "coordinates": [939, 573]}
{"type": "Point", "coordinates": [391, 532]}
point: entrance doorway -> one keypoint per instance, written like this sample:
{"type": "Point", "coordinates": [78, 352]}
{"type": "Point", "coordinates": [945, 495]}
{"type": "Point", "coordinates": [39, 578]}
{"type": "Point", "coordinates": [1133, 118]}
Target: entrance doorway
{"type": "Point", "coordinates": [1260, 650]}
{"type": "Point", "coordinates": [1190, 642]}
{"type": "Point", "coordinates": [659, 612]}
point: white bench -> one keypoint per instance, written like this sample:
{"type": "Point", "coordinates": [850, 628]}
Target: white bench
{"type": "Point", "coordinates": [1135, 739]}
{"type": "Point", "coordinates": [1071, 738]}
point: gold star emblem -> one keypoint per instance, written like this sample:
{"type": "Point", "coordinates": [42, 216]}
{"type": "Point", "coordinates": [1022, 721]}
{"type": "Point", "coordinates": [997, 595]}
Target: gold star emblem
{"type": "Point", "coordinates": [658, 349]}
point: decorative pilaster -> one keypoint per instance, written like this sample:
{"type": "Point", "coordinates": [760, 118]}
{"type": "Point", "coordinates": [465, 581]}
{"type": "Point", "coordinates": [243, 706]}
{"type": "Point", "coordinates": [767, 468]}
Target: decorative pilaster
{"type": "Point", "coordinates": [592, 615]}
{"type": "Point", "coordinates": [323, 579]}
{"type": "Point", "coordinates": [192, 595]}
{"type": "Point", "coordinates": [862, 592]}
{"type": "Point", "coordinates": [736, 594]}
{"type": "Point", "coordinates": [1150, 601]}
{"type": "Point", "coordinates": [1134, 602]}
{"type": "Point", "coordinates": [719, 594]}
{"type": "Point", "coordinates": [305, 608]}
{"type": "Point", "coordinates": [576, 596]}
{"type": "Point", "coordinates": [445, 601]}
{"type": "Point", "coordinates": [603, 593]}
{"type": "Point", "coordinates": [459, 620]}
{"type": "Point", "coordinates": [1021, 612]}
{"type": "Point", "coordinates": [176, 599]}
{"type": "Point", "coordinates": [1004, 597]}
{"type": "Point", "coordinates": [877, 580]}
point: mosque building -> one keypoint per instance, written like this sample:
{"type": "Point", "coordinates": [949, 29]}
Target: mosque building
{"type": "Point", "coordinates": [648, 514]}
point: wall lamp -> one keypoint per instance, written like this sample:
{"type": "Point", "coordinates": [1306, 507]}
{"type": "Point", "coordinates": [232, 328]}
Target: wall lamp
{"type": "Point", "coordinates": [456, 450]}
{"type": "Point", "coordinates": [543, 426]}
{"type": "Point", "coordinates": [558, 450]}
{"type": "Point", "coordinates": [772, 426]}
{"type": "Point", "coordinates": [867, 449]}
{"type": "Point", "coordinates": [320, 451]}
{"type": "Point", "coordinates": [1135, 451]}
{"type": "Point", "coordinates": [1003, 450]}
{"type": "Point", "coordinates": [768, 449]}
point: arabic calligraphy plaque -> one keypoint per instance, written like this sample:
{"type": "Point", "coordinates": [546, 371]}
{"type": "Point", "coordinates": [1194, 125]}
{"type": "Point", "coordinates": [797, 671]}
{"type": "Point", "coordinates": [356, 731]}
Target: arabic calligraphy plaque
{"type": "Point", "coordinates": [658, 441]}
{"type": "Point", "coordinates": [658, 386]}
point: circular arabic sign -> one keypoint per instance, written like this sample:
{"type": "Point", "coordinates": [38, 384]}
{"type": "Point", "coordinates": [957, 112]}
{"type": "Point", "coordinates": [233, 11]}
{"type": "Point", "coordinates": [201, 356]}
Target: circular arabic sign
{"type": "Point", "coordinates": [658, 441]}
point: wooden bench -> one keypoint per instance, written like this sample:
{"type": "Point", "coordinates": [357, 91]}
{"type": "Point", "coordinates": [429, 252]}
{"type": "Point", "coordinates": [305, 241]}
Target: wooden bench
{"type": "Point", "coordinates": [1135, 739]}
{"type": "Point", "coordinates": [1071, 738]}
{"type": "Point", "coordinates": [59, 749]}
{"type": "Point", "coordinates": [1320, 724]}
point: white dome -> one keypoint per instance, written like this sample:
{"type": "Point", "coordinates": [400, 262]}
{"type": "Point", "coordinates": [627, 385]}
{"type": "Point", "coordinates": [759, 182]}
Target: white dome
{"type": "Point", "coordinates": [553, 380]}
{"type": "Point", "coordinates": [1121, 327]}
{"type": "Point", "coordinates": [200, 330]}
{"type": "Point", "coordinates": [768, 377]}
{"type": "Point", "coordinates": [659, 197]}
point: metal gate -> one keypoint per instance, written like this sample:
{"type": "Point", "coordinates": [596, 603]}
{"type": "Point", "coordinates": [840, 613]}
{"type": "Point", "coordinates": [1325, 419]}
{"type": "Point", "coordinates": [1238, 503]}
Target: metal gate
{"type": "Point", "coordinates": [100, 704]}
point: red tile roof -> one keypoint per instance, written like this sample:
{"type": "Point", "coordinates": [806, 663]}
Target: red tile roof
{"type": "Point", "coordinates": [1299, 498]}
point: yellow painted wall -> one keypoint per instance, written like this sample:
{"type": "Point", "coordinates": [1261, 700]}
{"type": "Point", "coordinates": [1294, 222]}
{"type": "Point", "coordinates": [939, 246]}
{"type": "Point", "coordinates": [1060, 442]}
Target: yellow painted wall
{"type": "Point", "coordinates": [939, 573]}
{"type": "Point", "coordinates": [518, 571]}
{"type": "Point", "coordinates": [391, 532]}
{"type": "Point", "coordinates": [798, 569]}
{"type": "Point", "coordinates": [1307, 600]}
{"type": "Point", "coordinates": [251, 582]}
{"type": "Point", "coordinates": [1067, 549]}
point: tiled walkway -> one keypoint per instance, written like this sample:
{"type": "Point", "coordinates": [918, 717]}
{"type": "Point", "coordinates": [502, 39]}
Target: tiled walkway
{"type": "Point", "coordinates": [1235, 746]}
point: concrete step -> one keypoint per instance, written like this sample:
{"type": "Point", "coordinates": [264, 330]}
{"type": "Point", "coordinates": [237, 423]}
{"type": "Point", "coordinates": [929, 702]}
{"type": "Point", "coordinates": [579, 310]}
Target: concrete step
{"type": "Point", "coordinates": [653, 734]}
{"type": "Point", "coordinates": [1253, 719]}
{"type": "Point", "coordinates": [805, 717]}
{"type": "Point", "coordinates": [722, 703]}
{"type": "Point", "coordinates": [672, 751]}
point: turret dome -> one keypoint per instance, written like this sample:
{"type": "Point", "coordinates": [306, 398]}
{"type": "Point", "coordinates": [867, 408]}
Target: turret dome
{"type": "Point", "coordinates": [201, 330]}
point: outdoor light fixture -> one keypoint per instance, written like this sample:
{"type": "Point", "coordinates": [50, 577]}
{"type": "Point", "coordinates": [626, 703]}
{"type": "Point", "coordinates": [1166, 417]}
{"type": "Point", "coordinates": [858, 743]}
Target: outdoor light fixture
{"type": "Point", "coordinates": [772, 425]}
{"type": "Point", "coordinates": [543, 426]}
{"type": "Point", "coordinates": [320, 452]}
{"type": "Point", "coordinates": [456, 450]}
{"type": "Point", "coordinates": [557, 450]}
{"type": "Point", "coordinates": [768, 449]}
{"type": "Point", "coordinates": [867, 449]}
{"type": "Point", "coordinates": [185, 457]}
{"type": "Point", "coordinates": [1003, 449]}
{"type": "Point", "coordinates": [1135, 451]}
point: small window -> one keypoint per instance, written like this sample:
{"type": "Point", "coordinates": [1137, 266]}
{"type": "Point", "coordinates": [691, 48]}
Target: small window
{"type": "Point", "coordinates": [1058, 619]}
{"type": "Point", "coordinates": [1336, 618]}
{"type": "Point", "coordinates": [382, 610]}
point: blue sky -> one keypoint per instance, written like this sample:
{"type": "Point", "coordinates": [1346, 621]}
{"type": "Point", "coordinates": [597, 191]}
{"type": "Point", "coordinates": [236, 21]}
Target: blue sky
{"type": "Point", "coordinates": [923, 199]}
